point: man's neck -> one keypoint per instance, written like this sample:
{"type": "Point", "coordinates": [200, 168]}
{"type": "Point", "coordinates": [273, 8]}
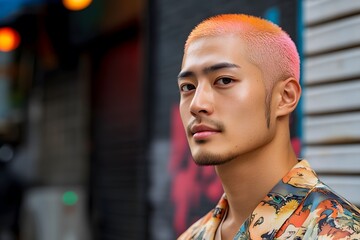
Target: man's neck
{"type": "Point", "coordinates": [247, 181]}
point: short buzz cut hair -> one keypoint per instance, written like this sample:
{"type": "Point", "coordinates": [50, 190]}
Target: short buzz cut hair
{"type": "Point", "coordinates": [267, 45]}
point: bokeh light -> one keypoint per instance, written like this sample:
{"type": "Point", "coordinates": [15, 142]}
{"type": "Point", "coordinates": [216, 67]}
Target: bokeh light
{"type": "Point", "coordinates": [9, 39]}
{"type": "Point", "coordinates": [76, 5]}
{"type": "Point", "coordinates": [69, 198]}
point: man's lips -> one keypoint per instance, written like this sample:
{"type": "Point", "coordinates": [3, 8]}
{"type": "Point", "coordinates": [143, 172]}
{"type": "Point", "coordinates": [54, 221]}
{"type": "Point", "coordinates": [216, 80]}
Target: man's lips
{"type": "Point", "coordinates": [201, 132]}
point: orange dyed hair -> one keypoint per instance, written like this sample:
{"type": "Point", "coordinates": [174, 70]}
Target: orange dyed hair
{"type": "Point", "coordinates": [267, 45]}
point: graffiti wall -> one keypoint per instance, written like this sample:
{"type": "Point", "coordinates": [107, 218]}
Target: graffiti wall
{"type": "Point", "coordinates": [193, 188]}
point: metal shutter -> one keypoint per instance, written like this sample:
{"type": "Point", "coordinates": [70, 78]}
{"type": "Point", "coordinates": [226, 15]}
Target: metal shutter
{"type": "Point", "coordinates": [331, 84]}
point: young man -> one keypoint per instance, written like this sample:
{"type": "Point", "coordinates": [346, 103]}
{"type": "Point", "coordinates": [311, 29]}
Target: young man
{"type": "Point", "coordinates": [239, 83]}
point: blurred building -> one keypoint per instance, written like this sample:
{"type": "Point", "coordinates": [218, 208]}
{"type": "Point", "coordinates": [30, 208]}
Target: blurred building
{"type": "Point", "coordinates": [75, 113]}
{"type": "Point", "coordinates": [88, 103]}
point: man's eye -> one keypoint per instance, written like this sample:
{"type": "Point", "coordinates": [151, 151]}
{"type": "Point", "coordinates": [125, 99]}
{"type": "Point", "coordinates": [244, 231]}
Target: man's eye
{"type": "Point", "coordinates": [224, 81]}
{"type": "Point", "coordinates": [187, 87]}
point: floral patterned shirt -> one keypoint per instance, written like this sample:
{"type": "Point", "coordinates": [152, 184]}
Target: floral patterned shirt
{"type": "Point", "coordinates": [300, 206]}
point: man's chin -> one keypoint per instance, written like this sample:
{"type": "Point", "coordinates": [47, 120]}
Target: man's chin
{"type": "Point", "coordinates": [211, 159]}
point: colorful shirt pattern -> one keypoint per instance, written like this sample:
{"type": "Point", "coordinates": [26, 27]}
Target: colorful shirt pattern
{"type": "Point", "coordinates": [300, 206]}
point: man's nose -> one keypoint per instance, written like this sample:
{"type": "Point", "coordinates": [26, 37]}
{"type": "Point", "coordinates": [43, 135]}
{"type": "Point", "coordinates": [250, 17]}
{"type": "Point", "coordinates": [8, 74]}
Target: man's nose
{"type": "Point", "coordinates": [203, 101]}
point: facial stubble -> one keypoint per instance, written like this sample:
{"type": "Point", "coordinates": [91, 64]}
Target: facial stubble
{"type": "Point", "coordinates": [207, 158]}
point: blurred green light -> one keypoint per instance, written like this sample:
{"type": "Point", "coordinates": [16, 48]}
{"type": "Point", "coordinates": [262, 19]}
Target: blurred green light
{"type": "Point", "coordinates": [69, 198]}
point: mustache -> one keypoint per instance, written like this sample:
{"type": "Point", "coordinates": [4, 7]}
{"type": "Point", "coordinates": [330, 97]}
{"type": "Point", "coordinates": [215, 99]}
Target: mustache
{"type": "Point", "coordinates": [208, 122]}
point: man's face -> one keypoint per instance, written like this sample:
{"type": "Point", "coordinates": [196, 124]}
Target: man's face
{"type": "Point", "coordinates": [222, 103]}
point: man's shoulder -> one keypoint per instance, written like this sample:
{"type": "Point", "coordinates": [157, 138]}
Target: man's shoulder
{"type": "Point", "coordinates": [330, 214]}
{"type": "Point", "coordinates": [195, 229]}
{"type": "Point", "coordinates": [205, 227]}
{"type": "Point", "coordinates": [322, 193]}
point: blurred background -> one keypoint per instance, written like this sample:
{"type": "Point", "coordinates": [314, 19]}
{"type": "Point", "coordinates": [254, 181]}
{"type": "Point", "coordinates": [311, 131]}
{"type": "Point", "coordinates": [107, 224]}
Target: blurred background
{"type": "Point", "coordinates": [91, 143]}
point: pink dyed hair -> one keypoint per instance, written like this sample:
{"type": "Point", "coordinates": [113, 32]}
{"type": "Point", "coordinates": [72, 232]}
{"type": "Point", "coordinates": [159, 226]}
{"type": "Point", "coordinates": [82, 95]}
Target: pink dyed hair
{"type": "Point", "coordinates": [266, 44]}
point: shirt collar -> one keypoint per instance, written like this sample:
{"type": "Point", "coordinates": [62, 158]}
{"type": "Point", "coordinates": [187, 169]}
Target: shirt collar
{"type": "Point", "coordinates": [272, 212]}
{"type": "Point", "coordinates": [280, 203]}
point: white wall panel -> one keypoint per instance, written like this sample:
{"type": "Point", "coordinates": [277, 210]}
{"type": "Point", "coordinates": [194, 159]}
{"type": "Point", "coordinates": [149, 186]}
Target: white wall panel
{"type": "Point", "coordinates": [333, 66]}
{"type": "Point", "coordinates": [322, 10]}
{"type": "Point", "coordinates": [339, 128]}
{"type": "Point", "coordinates": [333, 35]}
{"type": "Point", "coordinates": [337, 97]}
{"type": "Point", "coordinates": [340, 159]}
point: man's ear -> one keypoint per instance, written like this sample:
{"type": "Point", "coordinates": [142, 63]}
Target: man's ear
{"type": "Point", "coordinates": [289, 95]}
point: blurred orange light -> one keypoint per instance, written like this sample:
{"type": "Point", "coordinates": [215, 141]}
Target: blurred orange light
{"type": "Point", "coordinates": [9, 39]}
{"type": "Point", "coordinates": [76, 5]}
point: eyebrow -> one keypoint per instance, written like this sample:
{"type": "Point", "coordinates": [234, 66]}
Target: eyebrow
{"type": "Point", "coordinates": [209, 69]}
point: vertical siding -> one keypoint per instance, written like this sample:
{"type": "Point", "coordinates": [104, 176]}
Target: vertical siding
{"type": "Point", "coordinates": [332, 93]}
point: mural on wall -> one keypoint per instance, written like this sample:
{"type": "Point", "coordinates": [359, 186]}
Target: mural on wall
{"type": "Point", "coordinates": [193, 188]}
